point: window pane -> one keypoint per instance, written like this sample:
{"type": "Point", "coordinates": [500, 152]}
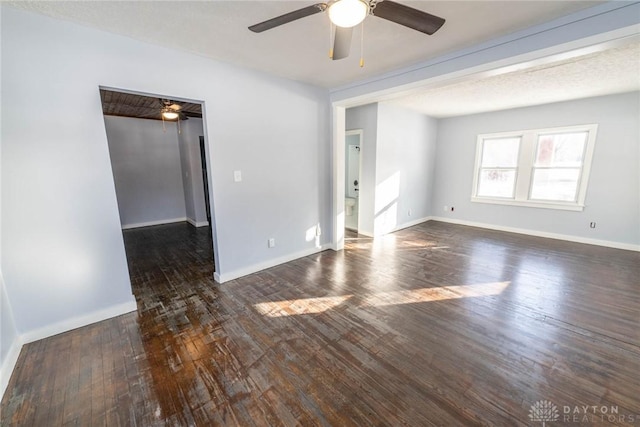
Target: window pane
{"type": "Point", "coordinates": [555, 184]}
{"type": "Point", "coordinates": [500, 153]}
{"type": "Point", "coordinates": [496, 183]}
{"type": "Point", "coordinates": [562, 149]}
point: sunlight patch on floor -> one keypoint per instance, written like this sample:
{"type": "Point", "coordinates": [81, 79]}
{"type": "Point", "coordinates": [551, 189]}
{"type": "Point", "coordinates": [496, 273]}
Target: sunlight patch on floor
{"type": "Point", "coordinates": [300, 306]}
{"type": "Point", "coordinates": [380, 299]}
{"type": "Point", "coordinates": [439, 293]}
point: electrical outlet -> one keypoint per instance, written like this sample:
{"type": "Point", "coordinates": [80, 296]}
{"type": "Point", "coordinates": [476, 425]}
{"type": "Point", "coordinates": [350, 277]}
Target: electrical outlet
{"type": "Point", "coordinates": [409, 212]}
{"type": "Point", "coordinates": [446, 208]}
{"type": "Point", "coordinates": [271, 242]}
{"type": "Point", "coordinates": [452, 208]}
{"type": "Point", "coordinates": [592, 224]}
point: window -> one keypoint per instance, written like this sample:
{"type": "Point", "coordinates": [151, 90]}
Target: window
{"type": "Point", "coordinates": [556, 172]}
{"type": "Point", "coordinates": [498, 167]}
{"type": "Point", "coordinates": [546, 168]}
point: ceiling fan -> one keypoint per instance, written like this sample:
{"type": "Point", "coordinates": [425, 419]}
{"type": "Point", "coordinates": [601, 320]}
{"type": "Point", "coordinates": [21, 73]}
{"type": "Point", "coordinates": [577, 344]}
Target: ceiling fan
{"type": "Point", "coordinates": [346, 14]}
{"type": "Point", "coordinates": [171, 111]}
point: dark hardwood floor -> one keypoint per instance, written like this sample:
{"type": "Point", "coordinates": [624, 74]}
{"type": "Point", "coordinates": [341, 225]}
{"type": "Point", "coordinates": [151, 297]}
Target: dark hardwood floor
{"type": "Point", "coordinates": [437, 324]}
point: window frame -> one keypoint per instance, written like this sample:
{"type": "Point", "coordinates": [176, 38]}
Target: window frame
{"type": "Point", "coordinates": [503, 168]}
{"type": "Point", "coordinates": [527, 149]}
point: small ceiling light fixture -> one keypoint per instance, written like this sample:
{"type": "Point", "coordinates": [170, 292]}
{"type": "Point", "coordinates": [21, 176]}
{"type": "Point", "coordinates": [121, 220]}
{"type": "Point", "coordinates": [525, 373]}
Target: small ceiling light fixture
{"type": "Point", "coordinates": [348, 13]}
{"type": "Point", "coordinates": [169, 114]}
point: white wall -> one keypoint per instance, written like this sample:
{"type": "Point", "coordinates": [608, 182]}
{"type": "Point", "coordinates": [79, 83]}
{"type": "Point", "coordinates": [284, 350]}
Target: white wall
{"type": "Point", "coordinates": [406, 144]}
{"type": "Point", "coordinates": [605, 23]}
{"type": "Point", "coordinates": [10, 343]}
{"type": "Point", "coordinates": [9, 340]}
{"type": "Point", "coordinates": [189, 141]}
{"type": "Point", "coordinates": [366, 118]}
{"type": "Point", "coordinates": [63, 255]}
{"type": "Point", "coordinates": [398, 154]}
{"type": "Point", "coordinates": [613, 196]}
{"type": "Point", "coordinates": [147, 172]}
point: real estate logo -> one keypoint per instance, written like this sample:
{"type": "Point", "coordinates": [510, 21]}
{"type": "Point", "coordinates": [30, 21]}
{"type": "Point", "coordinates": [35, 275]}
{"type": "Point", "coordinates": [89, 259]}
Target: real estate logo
{"type": "Point", "coordinates": [544, 411]}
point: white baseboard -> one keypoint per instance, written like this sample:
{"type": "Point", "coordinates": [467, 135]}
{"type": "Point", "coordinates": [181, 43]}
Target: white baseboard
{"type": "Point", "coordinates": [545, 234]}
{"type": "Point", "coordinates": [225, 277]}
{"type": "Point", "coordinates": [150, 223]}
{"type": "Point", "coordinates": [197, 224]}
{"type": "Point", "coordinates": [9, 364]}
{"type": "Point", "coordinates": [77, 322]}
{"type": "Point", "coordinates": [367, 233]}
{"type": "Point", "coordinates": [411, 223]}
{"type": "Point", "coordinates": [10, 361]}
{"type": "Point", "coordinates": [397, 228]}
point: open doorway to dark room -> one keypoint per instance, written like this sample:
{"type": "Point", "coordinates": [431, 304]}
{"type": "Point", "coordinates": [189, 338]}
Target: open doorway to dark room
{"type": "Point", "coordinates": [161, 182]}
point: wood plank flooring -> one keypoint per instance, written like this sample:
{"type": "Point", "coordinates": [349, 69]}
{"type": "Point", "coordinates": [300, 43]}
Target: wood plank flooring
{"type": "Point", "coordinates": [435, 325]}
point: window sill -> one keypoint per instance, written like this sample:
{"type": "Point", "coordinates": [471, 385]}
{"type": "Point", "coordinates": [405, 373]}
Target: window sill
{"type": "Point", "coordinates": [527, 204]}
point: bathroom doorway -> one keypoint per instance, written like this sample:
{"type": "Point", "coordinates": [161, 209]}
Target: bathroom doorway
{"type": "Point", "coordinates": [353, 150]}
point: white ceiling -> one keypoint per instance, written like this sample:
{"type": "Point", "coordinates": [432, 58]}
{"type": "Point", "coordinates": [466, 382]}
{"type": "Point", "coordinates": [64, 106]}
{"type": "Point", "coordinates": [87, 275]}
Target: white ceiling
{"type": "Point", "coordinates": [218, 29]}
{"type": "Point", "coordinates": [610, 71]}
{"type": "Point", "coordinates": [299, 50]}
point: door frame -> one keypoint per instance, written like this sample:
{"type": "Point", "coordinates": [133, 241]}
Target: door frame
{"type": "Point", "coordinates": [358, 132]}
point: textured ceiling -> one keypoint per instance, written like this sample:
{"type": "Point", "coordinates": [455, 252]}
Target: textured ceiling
{"type": "Point", "coordinates": [218, 29]}
{"type": "Point", "coordinates": [611, 71]}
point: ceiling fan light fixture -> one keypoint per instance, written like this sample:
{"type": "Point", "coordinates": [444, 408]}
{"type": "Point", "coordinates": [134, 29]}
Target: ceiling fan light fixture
{"type": "Point", "coordinates": [348, 13]}
{"type": "Point", "coordinates": [169, 114]}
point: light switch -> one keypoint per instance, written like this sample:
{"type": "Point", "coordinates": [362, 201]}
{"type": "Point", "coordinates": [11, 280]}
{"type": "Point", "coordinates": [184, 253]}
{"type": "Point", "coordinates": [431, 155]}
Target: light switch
{"type": "Point", "coordinates": [237, 176]}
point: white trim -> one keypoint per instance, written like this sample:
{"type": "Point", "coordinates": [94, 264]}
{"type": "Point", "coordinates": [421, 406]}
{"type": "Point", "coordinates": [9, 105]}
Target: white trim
{"type": "Point", "coordinates": [536, 204]}
{"type": "Point", "coordinates": [365, 233]}
{"type": "Point", "coordinates": [150, 223]}
{"type": "Point", "coordinates": [527, 147]}
{"type": "Point", "coordinates": [197, 224]}
{"type": "Point", "coordinates": [338, 144]}
{"type": "Point", "coordinates": [245, 271]}
{"type": "Point", "coordinates": [398, 228]}
{"type": "Point", "coordinates": [359, 133]}
{"type": "Point", "coordinates": [9, 364]}
{"type": "Point", "coordinates": [414, 222]}
{"type": "Point", "coordinates": [79, 321]}
{"type": "Point", "coordinates": [402, 226]}
{"type": "Point", "coordinates": [545, 234]}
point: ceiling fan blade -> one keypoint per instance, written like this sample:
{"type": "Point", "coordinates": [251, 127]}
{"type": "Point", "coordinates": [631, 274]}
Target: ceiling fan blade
{"type": "Point", "coordinates": [342, 42]}
{"type": "Point", "coordinates": [288, 17]}
{"type": "Point", "coordinates": [408, 16]}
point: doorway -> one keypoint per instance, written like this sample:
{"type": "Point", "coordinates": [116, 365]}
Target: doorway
{"type": "Point", "coordinates": [353, 181]}
{"type": "Point", "coordinates": [160, 170]}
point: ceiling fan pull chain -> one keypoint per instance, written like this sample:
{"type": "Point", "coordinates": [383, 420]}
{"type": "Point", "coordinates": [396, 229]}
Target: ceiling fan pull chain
{"type": "Point", "coordinates": [179, 130]}
{"type": "Point", "coordinates": [362, 45]}
{"type": "Point", "coordinates": [372, 6]}
{"type": "Point", "coordinates": [163, 128]}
